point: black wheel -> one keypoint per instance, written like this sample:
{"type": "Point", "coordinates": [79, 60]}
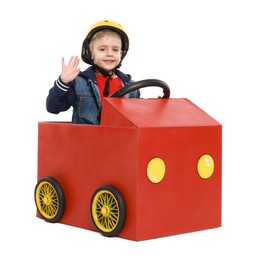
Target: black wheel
{"type": "Point", "coordinates": [49, 199]}
{"type": "Point", "coordinates": [108, 210]}
{"type": "Point", "coordinates": [142, 84]}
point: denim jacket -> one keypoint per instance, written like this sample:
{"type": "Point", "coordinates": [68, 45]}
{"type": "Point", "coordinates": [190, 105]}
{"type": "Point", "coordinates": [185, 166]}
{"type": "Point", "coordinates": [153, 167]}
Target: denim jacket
{"type": "Point", "coordinates": [83, 95]}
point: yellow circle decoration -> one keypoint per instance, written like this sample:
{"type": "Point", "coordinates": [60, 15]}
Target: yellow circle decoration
{"type": "Point", "coordinates": [156, 170]}
{"type": "Point", "coordinates": [205, 166]}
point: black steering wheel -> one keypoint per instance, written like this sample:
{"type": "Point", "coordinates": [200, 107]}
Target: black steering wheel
{"type": "Point", "coordinates": [142, 84]}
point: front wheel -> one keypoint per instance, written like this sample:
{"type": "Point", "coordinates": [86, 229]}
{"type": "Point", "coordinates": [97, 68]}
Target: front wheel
{"type": "Point", "coordinates": [108, 210]}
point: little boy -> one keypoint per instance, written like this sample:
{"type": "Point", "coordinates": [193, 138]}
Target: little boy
{"type": "Point", "coordinates": [104, 47]}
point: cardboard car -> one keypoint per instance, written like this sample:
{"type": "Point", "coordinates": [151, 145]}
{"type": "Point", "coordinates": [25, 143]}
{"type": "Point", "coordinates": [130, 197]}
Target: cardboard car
{"type": "Point", "coordinates": [152, 168]}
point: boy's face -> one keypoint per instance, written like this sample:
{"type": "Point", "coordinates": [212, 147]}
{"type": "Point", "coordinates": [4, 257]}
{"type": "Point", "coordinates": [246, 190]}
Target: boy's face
{"type": "Point", "coordinates": [106, 52]}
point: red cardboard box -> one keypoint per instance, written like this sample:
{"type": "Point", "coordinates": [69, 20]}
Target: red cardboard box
{"type": "Point", "coordinates": [164, 156]}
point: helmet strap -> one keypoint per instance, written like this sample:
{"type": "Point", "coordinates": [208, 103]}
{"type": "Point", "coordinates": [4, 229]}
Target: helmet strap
{"type": "Point", "coordinates": [106, 88]}
{"type": "Point", "coordinates": [106, 74]}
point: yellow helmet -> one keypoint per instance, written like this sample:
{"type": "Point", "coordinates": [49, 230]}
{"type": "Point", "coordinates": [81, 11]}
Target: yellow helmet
{"type": "Point", "coordinates": [105, 24]}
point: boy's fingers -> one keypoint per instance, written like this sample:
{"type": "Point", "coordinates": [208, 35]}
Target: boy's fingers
{"type": "Point", "coordinates": [70, 61]}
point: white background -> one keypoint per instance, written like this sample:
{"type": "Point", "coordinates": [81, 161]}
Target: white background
{"type": "Point", "coordinates": [203, 49]}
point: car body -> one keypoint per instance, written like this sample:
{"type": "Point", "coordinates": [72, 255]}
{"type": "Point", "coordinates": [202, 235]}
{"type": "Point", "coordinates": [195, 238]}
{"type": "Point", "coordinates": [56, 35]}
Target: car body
{"type": "Point", "coordinates": [161, 159]}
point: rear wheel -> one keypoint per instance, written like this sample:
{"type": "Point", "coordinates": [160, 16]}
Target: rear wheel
{"type": "Point", "coordinates": [49, 199]}
{"type": "Point", "coordinates": [108, 210]}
